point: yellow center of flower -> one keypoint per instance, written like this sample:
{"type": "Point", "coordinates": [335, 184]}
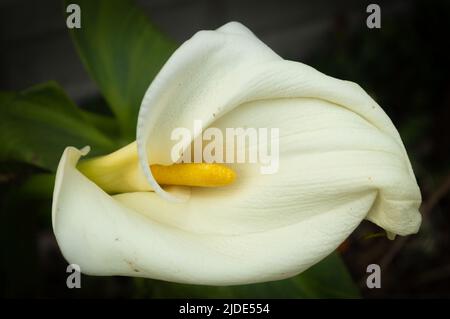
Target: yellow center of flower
{"type": "Point", "coordinates": [195, 174]}
{"type": "Point", "coordinates": [119, 172]}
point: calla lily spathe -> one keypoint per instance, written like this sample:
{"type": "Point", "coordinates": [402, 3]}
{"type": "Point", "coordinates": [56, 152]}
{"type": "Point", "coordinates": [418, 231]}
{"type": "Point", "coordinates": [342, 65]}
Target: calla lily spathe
{"type": "Point", "coordinates": [341, 161]}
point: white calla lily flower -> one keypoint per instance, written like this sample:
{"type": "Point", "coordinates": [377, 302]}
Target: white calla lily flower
{"type": "Point", "coordinates": [341, 161]}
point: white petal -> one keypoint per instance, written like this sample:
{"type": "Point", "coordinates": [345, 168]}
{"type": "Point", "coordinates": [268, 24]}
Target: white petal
{"type": "Point", "coordinates": [106, 237]}
{"type": "Point", "coordinates": [216, 72]}
{"type": "Point", "coordinates": [341, 160]}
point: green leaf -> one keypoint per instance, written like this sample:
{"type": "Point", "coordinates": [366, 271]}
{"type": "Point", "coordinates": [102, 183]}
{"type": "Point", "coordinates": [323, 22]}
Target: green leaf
{"type": "Point", "coordinates": [123, 52]}
{"type": "Point", "coordinates": [327, 279]}
{"type": "Point", "coordinates": [106, 124]}
{"type": "Point", "coordinates": [38, 186]}
{"type": "Point", "coordinates": [6, 97]}
{"type": "Point", "coordinates": [37, 124]}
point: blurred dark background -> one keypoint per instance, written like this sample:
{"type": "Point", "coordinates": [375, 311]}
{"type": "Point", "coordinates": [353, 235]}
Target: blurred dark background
{"type": "Point", "coordinates": [404, 66]}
